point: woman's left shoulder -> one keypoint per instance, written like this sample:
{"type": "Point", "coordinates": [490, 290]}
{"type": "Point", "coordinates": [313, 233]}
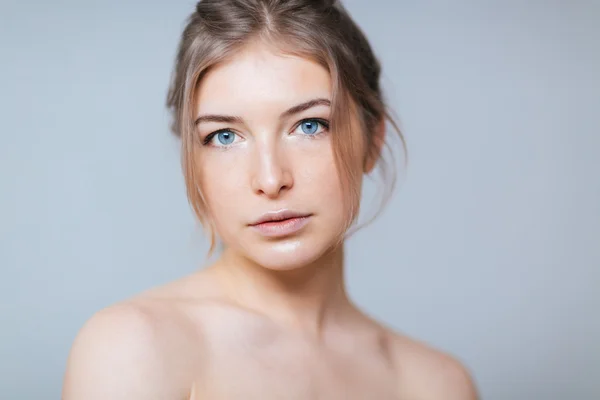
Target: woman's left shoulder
{"type": "Point", "coordinates": [430, 373]}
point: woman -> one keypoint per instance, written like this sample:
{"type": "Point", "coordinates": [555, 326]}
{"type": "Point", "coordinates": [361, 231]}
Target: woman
{"type": "Point", "coordinates": [280, 114]}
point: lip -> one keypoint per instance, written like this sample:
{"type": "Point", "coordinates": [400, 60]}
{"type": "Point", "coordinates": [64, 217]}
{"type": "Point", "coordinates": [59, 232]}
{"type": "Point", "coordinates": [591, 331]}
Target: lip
{"type": "Point", "coordinates": [280, 223]}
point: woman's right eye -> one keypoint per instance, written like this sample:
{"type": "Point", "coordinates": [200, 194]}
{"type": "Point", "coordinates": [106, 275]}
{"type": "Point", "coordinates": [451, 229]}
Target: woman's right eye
{"type": "Point", "coordinates": [222, 138]}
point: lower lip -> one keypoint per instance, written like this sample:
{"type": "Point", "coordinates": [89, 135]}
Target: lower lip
{"type": "Point", "coordinates": [281, 228]}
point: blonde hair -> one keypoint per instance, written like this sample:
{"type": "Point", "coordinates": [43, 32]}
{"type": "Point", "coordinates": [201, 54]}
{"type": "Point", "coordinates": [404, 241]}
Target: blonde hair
{"type": "Point", "coordinates": [321, 30]}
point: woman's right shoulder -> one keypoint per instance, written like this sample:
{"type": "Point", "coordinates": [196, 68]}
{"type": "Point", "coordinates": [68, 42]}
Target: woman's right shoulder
{"type": "Point", "coordinates": [128, 323]}
{"type": "Point", "coordinates": [128, 350]}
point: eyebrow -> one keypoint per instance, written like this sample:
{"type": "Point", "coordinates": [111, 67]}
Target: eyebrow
{"type": "Point", "coordinates": [230, 119]}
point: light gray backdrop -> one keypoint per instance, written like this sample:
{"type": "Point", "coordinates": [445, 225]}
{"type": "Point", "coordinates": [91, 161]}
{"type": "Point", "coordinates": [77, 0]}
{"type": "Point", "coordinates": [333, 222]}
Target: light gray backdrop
{"type": "Point", "coordinates": [490, 248]}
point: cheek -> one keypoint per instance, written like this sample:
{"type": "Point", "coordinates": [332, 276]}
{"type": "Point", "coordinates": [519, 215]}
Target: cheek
{"type": "Point", "coordinates": [322, 181]}
{"type": "Point", "coordinates": [222, 184]}
{"type": "Point", "coordinates": [317, 177]}
{"type": "Point", "coordinates": [323, 187]}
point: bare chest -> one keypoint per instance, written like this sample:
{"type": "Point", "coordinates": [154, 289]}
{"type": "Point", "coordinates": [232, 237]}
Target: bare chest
{"type": "Point", "coordinates": [297, 373]}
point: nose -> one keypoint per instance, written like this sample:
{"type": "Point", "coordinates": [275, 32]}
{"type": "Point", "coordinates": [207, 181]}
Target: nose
{"type": "Point", "coordinates": [272, 175]}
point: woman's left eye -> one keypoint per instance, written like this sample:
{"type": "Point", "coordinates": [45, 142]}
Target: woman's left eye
{"type": "Point", "coordinates": [311, 127]}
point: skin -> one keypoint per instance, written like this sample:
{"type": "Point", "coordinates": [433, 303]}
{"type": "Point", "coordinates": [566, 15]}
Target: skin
{"type": "Point", "coordinates": [270, 319]}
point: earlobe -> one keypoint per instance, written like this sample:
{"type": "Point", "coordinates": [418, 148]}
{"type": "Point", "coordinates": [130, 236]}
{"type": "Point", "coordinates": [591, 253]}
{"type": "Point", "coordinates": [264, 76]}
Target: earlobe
{"type": "Point", "coordinates": [376, 144]}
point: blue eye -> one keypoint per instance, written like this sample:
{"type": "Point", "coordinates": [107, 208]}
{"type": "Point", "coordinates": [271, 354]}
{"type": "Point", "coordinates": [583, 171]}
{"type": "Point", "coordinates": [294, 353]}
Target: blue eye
{"type": "Point", "coordinates": [311, 126]}
{"type": "Point", "coordinates": [221, 138]}
{"type": "Point", "coordinates": [225, 137]}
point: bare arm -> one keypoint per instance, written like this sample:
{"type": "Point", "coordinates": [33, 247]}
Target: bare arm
{"type": "Point", "coordinates": [118, 355]}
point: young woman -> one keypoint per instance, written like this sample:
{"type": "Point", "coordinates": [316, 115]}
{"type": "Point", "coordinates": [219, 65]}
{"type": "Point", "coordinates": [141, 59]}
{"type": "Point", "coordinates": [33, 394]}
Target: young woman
{"type": "Point", "coordinates": [280, 114]}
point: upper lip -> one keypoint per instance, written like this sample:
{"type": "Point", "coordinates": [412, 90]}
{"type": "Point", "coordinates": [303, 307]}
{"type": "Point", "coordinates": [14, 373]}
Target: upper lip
{"type": "Point", "coordinates": [278, 216]}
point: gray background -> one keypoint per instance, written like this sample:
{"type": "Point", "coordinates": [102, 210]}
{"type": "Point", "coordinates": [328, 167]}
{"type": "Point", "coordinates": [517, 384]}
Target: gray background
{"type": "Point", "coordinates": [490, 248]}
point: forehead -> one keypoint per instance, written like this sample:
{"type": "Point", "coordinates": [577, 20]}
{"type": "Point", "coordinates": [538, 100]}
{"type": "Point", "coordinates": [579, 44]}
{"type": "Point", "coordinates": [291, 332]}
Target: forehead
{"type": "Point", "coordinates": [258, 77]}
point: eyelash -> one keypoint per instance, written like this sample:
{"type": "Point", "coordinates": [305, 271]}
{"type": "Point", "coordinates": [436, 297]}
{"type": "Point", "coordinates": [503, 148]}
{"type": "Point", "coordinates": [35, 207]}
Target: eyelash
{"type": "Point", "coordinates": [324, 123]}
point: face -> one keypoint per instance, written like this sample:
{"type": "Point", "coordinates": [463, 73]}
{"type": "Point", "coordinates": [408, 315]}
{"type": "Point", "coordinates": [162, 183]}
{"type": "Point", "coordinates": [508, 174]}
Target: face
{"type": "Point", "coordinates": [265, 157]}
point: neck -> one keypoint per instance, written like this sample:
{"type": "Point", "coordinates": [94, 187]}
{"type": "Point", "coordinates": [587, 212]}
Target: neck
{"type": "Point", "coordinates": [305, 298]}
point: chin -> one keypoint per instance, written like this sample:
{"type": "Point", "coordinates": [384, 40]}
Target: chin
{"type": "Point", "coordinates": [286, 255]}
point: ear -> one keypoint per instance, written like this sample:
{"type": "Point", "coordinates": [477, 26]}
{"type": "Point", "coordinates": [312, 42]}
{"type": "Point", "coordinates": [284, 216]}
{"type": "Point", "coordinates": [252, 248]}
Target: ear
{"type": "Point", "coordinates": [374, 152]}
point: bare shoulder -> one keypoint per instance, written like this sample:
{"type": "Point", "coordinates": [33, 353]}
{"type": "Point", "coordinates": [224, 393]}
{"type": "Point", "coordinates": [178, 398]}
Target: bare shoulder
{"type": "Point", "coordinates": [428, 373]}
{"type": "Point", "coordinates": [131, 350]}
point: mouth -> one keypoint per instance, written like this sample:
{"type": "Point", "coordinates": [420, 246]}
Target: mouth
{"type": "Point", "coordinates": [280, 223]}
